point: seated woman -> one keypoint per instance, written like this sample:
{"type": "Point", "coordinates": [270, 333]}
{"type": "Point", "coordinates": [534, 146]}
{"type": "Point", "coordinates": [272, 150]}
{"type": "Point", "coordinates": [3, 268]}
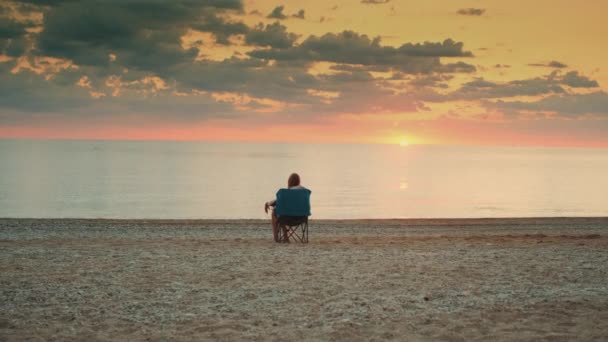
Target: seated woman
{"type": "Point", "coordinates": [293, 183]}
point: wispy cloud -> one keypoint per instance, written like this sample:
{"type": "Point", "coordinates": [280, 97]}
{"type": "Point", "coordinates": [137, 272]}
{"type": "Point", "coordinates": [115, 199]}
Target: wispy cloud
{"type": "Point", "coordinates": [471, 11]}
{"type": "Point", "coordinates": [375, 2]}
{"type": "Point", "coordinates": [551, 64]}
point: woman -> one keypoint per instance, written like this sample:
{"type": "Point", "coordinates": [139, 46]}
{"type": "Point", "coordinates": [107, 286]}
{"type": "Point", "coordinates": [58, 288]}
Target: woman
{"type": "Point", "coordinates": [293, 183]}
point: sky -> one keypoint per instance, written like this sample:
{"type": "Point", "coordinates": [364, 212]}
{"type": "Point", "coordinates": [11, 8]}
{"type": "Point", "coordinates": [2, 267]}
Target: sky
{"type": "Point", "coordinates": [473, 72]}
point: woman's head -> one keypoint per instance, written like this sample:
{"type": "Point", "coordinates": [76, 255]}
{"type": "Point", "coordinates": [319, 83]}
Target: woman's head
{"type": "Point", "coordinates": [294, 180]}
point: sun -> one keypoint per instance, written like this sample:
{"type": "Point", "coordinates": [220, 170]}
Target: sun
{"type": "Point", "coordinates": [404, 143]}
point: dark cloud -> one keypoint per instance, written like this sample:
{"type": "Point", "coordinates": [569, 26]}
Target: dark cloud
{"type": "Point", "coordinates": [433, 81]}
{"type": "Point", "coordinates": [552, 64]}
{"type": "Point", "coordinates": [31, 92]}
{"type": "Point", "coordinates": [300, 14]}
{"type": "Point", "coordinates": [483, 89]}
{"type": "Point", "coordinates": [220, 27]}
{"type": "Point", "coordinates": [471, 11]}
{"type": "Point", "coordinates": [250, 76]}
{"type": "Point", "coordinates": [366, 68]}
{"type": "Point", "coordinates": [556, 64]}
{"type": "Point", "coordinates": [140, 35]}
{"type": "Point", "coordinates": [354, 75]}
{"type": "Point", "coordinates": [13, 36]}
{"type": "Point", "coordinates": [273, 35]}
{"type": "Point", "coordinates": [375, 2]}
{"type": "Point", "coordinates": [352, 48]}
{"type": "Point", "coordinates": [550, 84]}
{"type": "Point", "coordinates": [29, 97]}
{"type": "Point", "coordinates": [9, 28]}
{"type": "Point", "coordinates": [355, 90]}
{"type": "Point", "coordinates": [448, 48]}
{"type": "Point", "coordinates": [564, 104]}
{"type": "Point", "coordinates": [43, 2]}
{"type": "Point", "coordinates": [277, 13]}
{"type": "Point", "coordinates": [458, 67]}
{"type": "Point", "coordinates": [574, 80]}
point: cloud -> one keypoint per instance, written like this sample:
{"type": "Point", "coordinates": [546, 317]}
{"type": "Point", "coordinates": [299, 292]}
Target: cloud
{"type": "Point", "coordinates": [483, 89]}
{"type": "Point", "coordinates": [277, 13]}
{"type": "Point", "coordinates": [375, 2]}
{"type": "Point", "coordinates": [299, 14]}
{"type": "Point", "coordinates": [553, 83]}
{"type": "Point", "coordinates": [250, 76]}
{"type": "Point", "coordinates": [224, 4]}
{"type": "Point", "coordinates": [10, 28]}
{"type": "Point", "coordinates": [355, 91]}
{"type": "Point", "coordinates": [564, 104]}
{"type": "Point", "coordinates": [273, 35]}
{"type": "Point", "coordinates": [220, 27]}
{"type": "Point", "coordinates": [556, 64]}
{"type": "Point", "coordinates": [471, 11]}
{"type": "Point", "coordinates": [140, 35]}
{"type": "Point", "coordinates": [448, 48]}
{"type": "Point", "coordinates": [433, 81]}
{"type": "Point", "coordinates": [349, 47]}
{"type": "Point", "coordinates": [552, 64]}
{"type": "Point", "coordinates": [458, 67]}
{"type": "Point", "coordinates": [574, 80]}
{"type": "Point", "coordinates": [13, 36]}
{"type": "Point", "coordinates": [28, 97]}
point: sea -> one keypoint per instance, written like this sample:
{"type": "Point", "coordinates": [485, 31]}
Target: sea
{"type": "Point", "coordinates": [233, 180]}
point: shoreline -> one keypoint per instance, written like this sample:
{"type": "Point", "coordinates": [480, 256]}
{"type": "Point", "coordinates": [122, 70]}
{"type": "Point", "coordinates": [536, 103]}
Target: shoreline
{"type": "Point", "coordinates": [403, 221]}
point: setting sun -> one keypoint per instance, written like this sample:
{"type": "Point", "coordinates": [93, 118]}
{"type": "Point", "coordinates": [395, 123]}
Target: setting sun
{"type": "Point", "coordinates": [403, 143]}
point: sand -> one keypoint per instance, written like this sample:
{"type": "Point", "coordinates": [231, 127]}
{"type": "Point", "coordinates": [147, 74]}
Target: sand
{"type": "Point", "coordinates": [365, 280]}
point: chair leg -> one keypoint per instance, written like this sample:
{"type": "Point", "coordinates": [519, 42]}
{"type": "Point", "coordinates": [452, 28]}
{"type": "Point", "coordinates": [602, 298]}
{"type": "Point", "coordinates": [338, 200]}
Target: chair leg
{"type": "Point", "coordinates": [285, 234]}
{"type": "Point", "coordinates": [279, 234]}
{"type": "Point", "coordinates": [305, 233]}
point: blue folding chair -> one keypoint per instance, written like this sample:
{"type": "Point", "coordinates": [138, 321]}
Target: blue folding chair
{"type": "Point", "coordinates": [292, 210]}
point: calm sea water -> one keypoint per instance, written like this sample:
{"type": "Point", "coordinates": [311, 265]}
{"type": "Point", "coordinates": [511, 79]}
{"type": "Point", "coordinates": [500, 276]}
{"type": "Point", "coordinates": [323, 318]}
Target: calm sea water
{"type": "Point", "coordinates": [119, 179]}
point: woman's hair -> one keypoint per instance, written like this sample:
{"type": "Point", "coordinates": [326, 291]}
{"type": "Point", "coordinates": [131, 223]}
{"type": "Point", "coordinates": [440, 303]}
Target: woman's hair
{"type": "Point", "coordinates": [294, 180]}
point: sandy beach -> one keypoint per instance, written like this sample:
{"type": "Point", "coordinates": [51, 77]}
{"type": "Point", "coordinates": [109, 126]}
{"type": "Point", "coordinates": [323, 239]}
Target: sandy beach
{"type": "Point", "coordinates": [455, 280]}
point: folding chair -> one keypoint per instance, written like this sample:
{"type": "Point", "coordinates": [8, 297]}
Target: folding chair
{"type": "Point", "coordinates": [292, 210]}
{"type": "Point", "coordinates": [295, 227]}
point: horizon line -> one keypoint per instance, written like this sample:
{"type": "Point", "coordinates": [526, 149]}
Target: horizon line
{"type": "Point", "coordinates": [502, 218]}
{"type": "Point", "coordinates": [302, 142]}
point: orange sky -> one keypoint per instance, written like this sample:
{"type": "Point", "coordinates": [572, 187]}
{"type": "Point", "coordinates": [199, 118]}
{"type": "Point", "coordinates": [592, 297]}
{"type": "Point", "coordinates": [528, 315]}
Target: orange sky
{"type": "Point", "coordinates": [426, 72]}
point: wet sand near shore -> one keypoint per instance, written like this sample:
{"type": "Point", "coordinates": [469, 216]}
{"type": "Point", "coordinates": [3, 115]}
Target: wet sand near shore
{"type": "Point", "coordinates": [460, 279]}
